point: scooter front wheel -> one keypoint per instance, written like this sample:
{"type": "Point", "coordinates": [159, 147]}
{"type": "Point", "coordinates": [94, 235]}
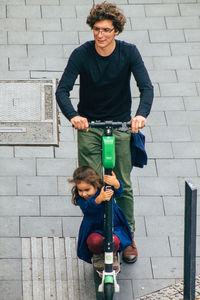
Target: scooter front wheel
{"type": "Point", "coordinates": [108, 291]}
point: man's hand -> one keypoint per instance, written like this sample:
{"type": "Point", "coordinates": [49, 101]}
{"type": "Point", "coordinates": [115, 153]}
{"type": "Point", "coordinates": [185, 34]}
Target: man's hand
{"type": "Point", "coordinates": [80, 123]}
{"type": "Point", "coordinates": [138, 122]}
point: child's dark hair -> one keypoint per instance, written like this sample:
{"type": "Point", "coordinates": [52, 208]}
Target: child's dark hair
{"type": "Point", "coordinates": [87, 174]}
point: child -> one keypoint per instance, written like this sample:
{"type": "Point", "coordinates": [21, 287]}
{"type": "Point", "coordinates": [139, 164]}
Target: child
{"type": "Point", "coordinates": [88, 192]}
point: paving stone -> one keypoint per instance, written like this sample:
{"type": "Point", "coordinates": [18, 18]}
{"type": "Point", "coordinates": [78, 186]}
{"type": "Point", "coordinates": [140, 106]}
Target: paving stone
{"type": "Point", "coordinates": [10, 75]}
{"type": "Point", "coordinates": [25, 38]}
{"type": "Point", "coordinates": [6, 151]}
{"type": "Point", "coordinates": [171, 267]}
{"type": "Point", "coordinates": [159, 150]}
{"type": "Point", "coordinates": [67, 134]}
{"type": "Point", "coordinates": [198, 166]}
{"type": "Point", "coordinates": [56, 167]}
{"type": "Point", "coordinates": [126, 290]}
{"type": "Point", "coordinates": [163, 76]}
{"type": "Point", "coordinates": [17, 166]}
{"type": "Point", "coordinates": [4, 64]}
{"type": "Point", "coordinates": [10, 288]}
{"type": "Point", "coordinates": [188, 75]}
{"type": "Point", "coordinates": [58, 11]}
{"type": "Point", "coordinates": [158, 36]}
{"type": "Point", "coordinates": [140, 227]}
{"type": "Point", "coordinates": [74, 24]}
{"type": "Point", "coordinates": [68, 229]}
{"type": "Point", "coordinates": [189, 9]}
{"type": "Point", "coordinates": [134, 181]}
{"type": "Point", "coordinates": [10, 269]}
{"type": "Point", "coordinates": [2, 11]}
{"type": "Point", "coordinates": [195, 133]}
{"type": "Point", "coordinates": [183, 118]}
{"type": "Point", "coordinates": [3, 37]}
{"type": "Point", "coordinates": [129, 271]}
{"type": "Point", "coordinates": [185, 49]}
{"type": "Point", "coordinates": [58, 64]}
{"type": "Point", "coordinates": [60, 38]}
{"type": "Point", "coordinates": [40, 2]}
{"type": "Point", "coordinates": [192, 35]}
{"type": "Point", "coordinates": [27, 63]}
{"type": "Point", "coordinates": [153, 247]}
{"type": "Point", "coordinates": [186, 150]}
{"type": "Point", "coordinates": [85, 2]}
{"type": "Point", "coordinates": [171, 62]}
{"type": "Point", "coordinates": [40, 226]}
{"type": "Point", "coordinates": [64, 188]}
{"type": "Point", "coordinates": [176, 167]}
{"type": "Point", "coordinates": [146, 286]}
{"type": "Point", "coordinates": [19, 206]}
{"type": "Point", "coordinates": [161, 10]}
{"type": "Point", "coordinates": [158, 186]}
{"type": "Point", "coordinates": [148, 23]}
{"type": "Point", "coordinates": [194, 180]}
{"type": "Point", "coordinates": [9, 226]}
{"type": "Point", "coordinates": [7, 185]}
{"type": "Point", "coordinates": [192, 103]}
{"type": "Point", "coordinates": [140, 36]}
{"type": "Point", "coordinates": [182, 22]}
{"type": "Point", "coordinates": [21, 2]}
{"type": "Point", "coordinates": [149, 170]}
{"type": "Point", "coordinates": [10, 248]}
{"type": "Point", "coordinates": [21, 11]}
{"type": "Point", "coordinates": [170, 134]}
{"type": "Point", "coordinates": [13, 50]}
{"type": "Point", "coordinates": [45, 74]}
{"type": "Point", "coordinates": [195, 62]}
{"type": "Point", "coordinates": [168, 226]}
{"type": "Point", "coordinates": [59, 206]}
{"type": "Point", "coordinates": [41, 185]}
{"type": "Point", "coordinates": [66, 150]}
{"type": "Point", "coordinates": [174, 206]}
{"type": "Point", "coordinates": [43, 24]}
{"type": "Point", "coordinates": [178, 89]}
{"type": "Point", "coordinates": [145, 206]}
{"type": "Point", "coordinates": [45, 50]}
{"type": "Point", "coordinates": [177, 245]}
{"type": "Point", "coordinates": [157, 49]}
{"type": "Point", "coordinates": [24, 151]}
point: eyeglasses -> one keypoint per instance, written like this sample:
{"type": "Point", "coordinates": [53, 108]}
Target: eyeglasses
{"type": "Point", "coordinates": [97, 30]}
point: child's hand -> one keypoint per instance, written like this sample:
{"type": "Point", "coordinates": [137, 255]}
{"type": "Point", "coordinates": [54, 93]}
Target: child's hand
{"type": "Point", "coordinates": [112, 180]}
{"type": "Point", "coordinates": [104, 195]}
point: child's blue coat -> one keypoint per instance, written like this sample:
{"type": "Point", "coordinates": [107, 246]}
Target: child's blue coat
{"type": "Point", "coordinates": [93, 221]}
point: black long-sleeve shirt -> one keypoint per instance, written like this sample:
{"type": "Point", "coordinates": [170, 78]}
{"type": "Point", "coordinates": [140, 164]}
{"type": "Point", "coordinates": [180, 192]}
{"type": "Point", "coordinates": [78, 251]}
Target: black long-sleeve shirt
{"type": "Point", "coordinates": [105, 83]}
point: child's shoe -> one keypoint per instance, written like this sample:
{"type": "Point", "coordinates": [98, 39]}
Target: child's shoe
{"type": "Point", "coordinates": [98, 261]}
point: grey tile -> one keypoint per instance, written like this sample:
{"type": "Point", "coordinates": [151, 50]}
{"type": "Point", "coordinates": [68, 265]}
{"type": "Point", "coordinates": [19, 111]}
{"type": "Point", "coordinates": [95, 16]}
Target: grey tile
{"type": "Point", "coordinates": [153, 246]}
{"type": "Point", "coordinates": [171, 134]}
{"type": "Point", "coordinates": [9, 226]}
{"type": "Point", "coordinates": [140, 270]}
{"type": "Point", "coordinates": [174, 206]}
{"type": "Point", "coordinates": [17, 166]}
{"type": "Point", "coordinates": [140, 228]}
{"type": "Point", "coordinates": [158, 186]}
{"type": "Point", "coordinates": [40, 185]}
{"type": "Point", "coordinates": [10, 288]}
{"type": "Point", "coordinates": [10, 269]}
{"type": "Point", "coordinates": [145, 206]}
{"type": "Point", "coordinates": [7, 185]}
{"type": "Point", "coordinates": [10, 248]}
{"type": "Point", "coordinates": [168, 225]}
{"type": "Point", "coordinates": [19, 206]}
{"type": "Point", "coordinates": [126, 290]}
{"type": "Point", "coordinates": [71, 226]}
{"type": "Point", "coordinates": [59, 206]}
{"type": "Point", "coordinates": [177, 245]}
{"type": "Point", "coordinates": [55, 167]}
{"type": "Point", "coordinates": [167, 267]}
{"type": "Point", "coordinates": [176, 167]}
{"type": "Point", "coordinates": [40, 226]}
{"type": "Point", "coordinates": [159, 150]}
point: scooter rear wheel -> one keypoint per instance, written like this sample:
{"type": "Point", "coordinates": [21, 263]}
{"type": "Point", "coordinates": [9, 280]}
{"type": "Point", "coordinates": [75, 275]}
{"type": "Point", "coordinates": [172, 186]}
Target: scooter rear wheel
{"type": "Point", "coordinates": [108, 291]}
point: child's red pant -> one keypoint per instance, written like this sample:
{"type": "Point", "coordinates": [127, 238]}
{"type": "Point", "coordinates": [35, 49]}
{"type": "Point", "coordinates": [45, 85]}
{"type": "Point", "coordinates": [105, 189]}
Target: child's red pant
{"type": "Point", "coordinates": [95, 242]}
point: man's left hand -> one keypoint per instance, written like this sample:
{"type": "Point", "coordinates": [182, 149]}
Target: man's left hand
{"type": "Point", "coordinates": [138, 122]}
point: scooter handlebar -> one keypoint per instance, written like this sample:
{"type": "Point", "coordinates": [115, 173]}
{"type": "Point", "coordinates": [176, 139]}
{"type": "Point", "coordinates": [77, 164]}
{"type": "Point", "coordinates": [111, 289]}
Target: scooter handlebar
{"type": "Point", "coordinates": [113, 124]}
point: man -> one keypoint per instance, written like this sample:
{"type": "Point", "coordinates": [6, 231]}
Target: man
{"type": "Point", "coordinates": [105, 66]}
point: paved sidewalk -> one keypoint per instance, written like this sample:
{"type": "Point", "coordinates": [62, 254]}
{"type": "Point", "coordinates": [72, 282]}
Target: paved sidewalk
{"type": "Point", "coordinates": [36, 39]}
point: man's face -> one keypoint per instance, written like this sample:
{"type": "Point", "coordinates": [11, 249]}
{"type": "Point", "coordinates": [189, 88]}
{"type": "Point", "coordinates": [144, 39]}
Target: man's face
{"type": "Point", "coordinates": [104, 34]}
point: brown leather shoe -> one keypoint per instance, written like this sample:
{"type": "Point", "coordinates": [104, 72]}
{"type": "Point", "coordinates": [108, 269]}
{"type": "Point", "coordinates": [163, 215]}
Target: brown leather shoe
{"type": "Point", "coordinates": [130, 254]}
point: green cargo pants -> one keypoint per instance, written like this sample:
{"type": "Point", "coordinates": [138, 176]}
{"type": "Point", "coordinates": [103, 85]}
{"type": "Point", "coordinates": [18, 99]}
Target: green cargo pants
{"type": "Point", "coordinates": [89, 154]}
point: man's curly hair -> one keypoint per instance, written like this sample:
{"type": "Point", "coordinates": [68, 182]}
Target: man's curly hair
{"type": "Point", "coordinates": [107, 11]}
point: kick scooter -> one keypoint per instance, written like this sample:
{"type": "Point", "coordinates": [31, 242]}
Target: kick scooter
{"type": "Point", "coordinates": [109, 284]}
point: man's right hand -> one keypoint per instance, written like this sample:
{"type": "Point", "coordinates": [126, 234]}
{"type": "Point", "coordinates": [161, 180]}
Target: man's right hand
{"type": "Point", "coordinates": [80, 123]}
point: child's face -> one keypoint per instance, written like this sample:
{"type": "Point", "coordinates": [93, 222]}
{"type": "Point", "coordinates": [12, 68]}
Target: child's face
{"type": "Point", "coordinates": [86, 190]}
